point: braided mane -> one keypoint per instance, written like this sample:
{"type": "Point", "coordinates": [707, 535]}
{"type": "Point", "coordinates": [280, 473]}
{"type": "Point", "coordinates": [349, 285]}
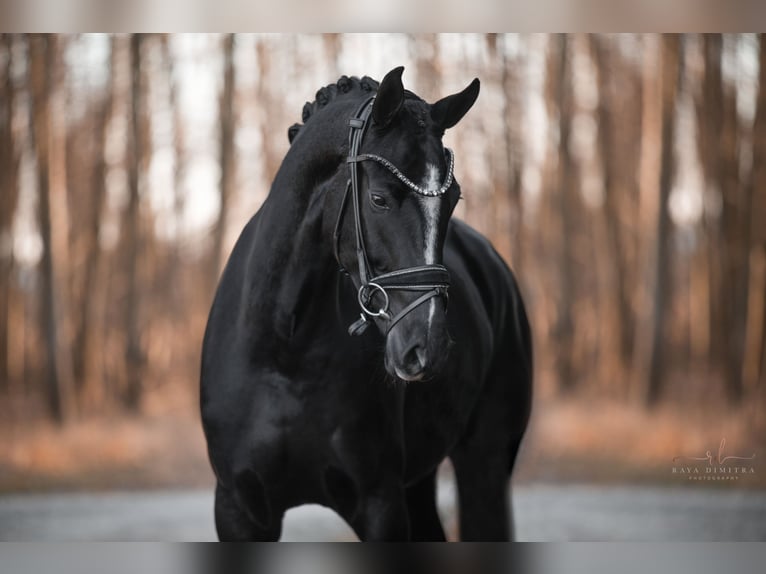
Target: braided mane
{"type": "Point", "coordinates": [325, 95]}
{"type": "Point", "coordinates": [330, 92]}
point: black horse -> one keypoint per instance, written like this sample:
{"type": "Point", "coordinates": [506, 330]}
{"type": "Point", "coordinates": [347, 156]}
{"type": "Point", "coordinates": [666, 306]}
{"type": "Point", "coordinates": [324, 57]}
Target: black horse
{"type": "Point", "coordinates": [297, 406]}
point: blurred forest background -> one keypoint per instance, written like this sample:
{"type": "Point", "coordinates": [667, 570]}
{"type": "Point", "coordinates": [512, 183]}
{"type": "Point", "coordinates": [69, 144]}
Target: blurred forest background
{"type": "Point", "coordinates": [623, 178]}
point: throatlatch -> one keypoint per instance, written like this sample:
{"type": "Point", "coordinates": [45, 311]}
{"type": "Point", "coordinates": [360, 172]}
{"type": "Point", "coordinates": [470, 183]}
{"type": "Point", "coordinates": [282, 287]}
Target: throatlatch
{"type": "Point", "coordinates": [430, 279]}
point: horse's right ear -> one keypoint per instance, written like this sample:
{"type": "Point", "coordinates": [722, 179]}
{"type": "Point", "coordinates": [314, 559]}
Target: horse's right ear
{"type": "Point", "coordinates": [389, 99]}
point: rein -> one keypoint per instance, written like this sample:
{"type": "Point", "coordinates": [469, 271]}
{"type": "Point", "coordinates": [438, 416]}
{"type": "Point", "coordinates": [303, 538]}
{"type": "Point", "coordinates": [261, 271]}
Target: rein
{"type": "Point", "coordinates": [431, 280]}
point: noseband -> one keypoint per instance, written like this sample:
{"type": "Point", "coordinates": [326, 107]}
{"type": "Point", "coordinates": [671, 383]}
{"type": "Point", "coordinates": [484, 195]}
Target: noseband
{"type": "Point", "coordinates": [431, 280]}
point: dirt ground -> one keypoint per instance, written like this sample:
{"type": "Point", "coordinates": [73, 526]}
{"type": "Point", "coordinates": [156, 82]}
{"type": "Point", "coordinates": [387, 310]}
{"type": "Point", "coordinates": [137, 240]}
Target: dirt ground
{"type": "Point", "coordinates": [582, 440]}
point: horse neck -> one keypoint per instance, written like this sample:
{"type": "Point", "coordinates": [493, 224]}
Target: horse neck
{"type": "Point", "coordinates": [294, 243]}
{"type": "Point", "coordinates": [313, 166]}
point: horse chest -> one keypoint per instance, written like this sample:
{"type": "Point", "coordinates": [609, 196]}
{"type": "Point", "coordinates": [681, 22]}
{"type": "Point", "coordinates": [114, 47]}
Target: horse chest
{"type": "Point", "coordinates": [301, 413]}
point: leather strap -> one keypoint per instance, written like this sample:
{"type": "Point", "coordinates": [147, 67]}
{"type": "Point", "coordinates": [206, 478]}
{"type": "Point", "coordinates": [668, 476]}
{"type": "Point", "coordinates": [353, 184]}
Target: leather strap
{"type": "Point", "coordinates": [431, 279]}
{"type": "Point", "coordinates": [414, 304]}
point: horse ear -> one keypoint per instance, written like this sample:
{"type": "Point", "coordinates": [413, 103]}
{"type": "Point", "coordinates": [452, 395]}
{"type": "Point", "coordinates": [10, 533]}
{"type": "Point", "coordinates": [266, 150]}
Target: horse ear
{"type": "Point", "coordinates": [292, 131]}
{"type": "Point", "coordinates": [389, 99]}
{"type": "Point", "coordinates": [450, 110]}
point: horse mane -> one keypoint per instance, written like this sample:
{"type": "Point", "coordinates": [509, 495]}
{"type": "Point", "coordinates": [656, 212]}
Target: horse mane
{"type": "Point", "coordinates": [344, 85]}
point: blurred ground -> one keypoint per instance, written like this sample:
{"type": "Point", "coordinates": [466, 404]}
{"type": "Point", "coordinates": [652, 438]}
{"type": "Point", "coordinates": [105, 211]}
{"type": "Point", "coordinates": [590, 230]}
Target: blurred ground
{"type": "Point", "coordinates": [550, 513]}
{"type": "Point", "coordinates": [608, 442]}
{"type": "Point", "coordinates": [582, 440]}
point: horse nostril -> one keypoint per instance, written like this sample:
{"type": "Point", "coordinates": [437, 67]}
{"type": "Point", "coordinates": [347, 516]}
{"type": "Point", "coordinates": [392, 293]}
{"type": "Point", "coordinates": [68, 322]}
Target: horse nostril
{"type": "Point", "coordinates": [421, 354]}
{"type": "Point", "coordinates": [415, 358]}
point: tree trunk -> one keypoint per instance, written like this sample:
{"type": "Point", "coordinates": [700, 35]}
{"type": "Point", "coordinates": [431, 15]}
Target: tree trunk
{"type": "Point", "coordinates": [709, 107]}
{"type": "Point", "coordinates": [562, 104]}
{"type": "Point", "coordinates": [9, 168]}
{"type": "Point", "coordinates": [51, 181]}
{"type": "Point", "coordinates": [89, 382]}
{"type": "Point", "coordinates": [651, 152]}
{"type": "Point", "coordinates": [332, 46]}
{"type": "Point", "coordinates": [620, 311]}
{"type": "Point", "coordinates": [670, 67]}
{"type": "Point", "coordinates": [757, 191]}
{"type": "Point", "coordinates": [226, 155]}
{"type": "Point", "coordinates": [179, 175]}
{"type": "Point", "coordinates": [425, 52]}
{"type": "Point", "coordinates": [269, 150]}
{"type": "Point", "coordinates": [512, 86]}
{"type": "Point", "coordinates": [134, 356]}
{"type": "Point", "coordinates": [735, 249]}
{"type": "Point", "coordinates": [506, 158]}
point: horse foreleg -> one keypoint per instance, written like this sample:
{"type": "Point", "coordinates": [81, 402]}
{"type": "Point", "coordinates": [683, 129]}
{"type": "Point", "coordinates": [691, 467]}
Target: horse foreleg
{"type": "Point", "coordinates": [382, 515]}
{"type": "Point", "coordinates": [483, 492]}
{"type": "Point", "coordinates": [424, 517]}
{"type": "Point", "coordinates": [235, 524]}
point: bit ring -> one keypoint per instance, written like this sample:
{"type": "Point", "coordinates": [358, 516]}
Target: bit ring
{"type": "Point", "coordinates": [365, 296]}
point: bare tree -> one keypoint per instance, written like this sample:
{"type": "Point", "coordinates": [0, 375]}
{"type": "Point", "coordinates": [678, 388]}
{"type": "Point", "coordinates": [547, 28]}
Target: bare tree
{"type": "Point", "coordinates": [226, 154]}
{"type": "Point", "coordinates": [425, 51]}
{"type": "Point", "coordinates": [728, 228]}
{"type": "Point", "coordinates": [48, 144]}
{"type": "Point", "coordinates": [709, 107]}
{"type": "Point", "coordinates": [333, 44]}
{"type": "Point", "coordinates": [85, 340]}
{"type": "Point", "coordinates": [9, 168]}
{"type": "Point", "coordinates": [757, 191]}
{"type": "Point", "coordinates": [560, 99]}
{"type": "Point", "coordinates": [735, 248]}
{"type": "Point", "coordinates": [134, 356]}
{"type": "Point", "coordinates": [621, 323]}
{"type": "Point", "coordinates": [180, 156]}
{"type": "Point", "coordinates": [512, 89]}
{"type": "Point", "coordinates": [659, 263]}
{"type": "Point", "coordinates": [505, 164]}
{"type": "Point", "coordinates": [266, 101]}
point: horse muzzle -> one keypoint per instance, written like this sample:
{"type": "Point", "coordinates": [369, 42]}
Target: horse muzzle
{"type": "Point", "coordinates": [417, 346]}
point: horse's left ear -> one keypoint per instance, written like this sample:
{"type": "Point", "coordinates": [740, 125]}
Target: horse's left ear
{"type": "Point", "coordinates": [450, 110]}
{"type": "Point", "coordinates": [389, 98]}
{"type": "Point", "coordinates": [292, 131]}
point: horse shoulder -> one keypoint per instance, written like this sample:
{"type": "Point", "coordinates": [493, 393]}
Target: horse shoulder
{"type": "Point", "coordinates": [503, 301]}
{"type": "Point", "coordinates": [471, 256]}
{"type": "Point", "coordinates": [471, 252]}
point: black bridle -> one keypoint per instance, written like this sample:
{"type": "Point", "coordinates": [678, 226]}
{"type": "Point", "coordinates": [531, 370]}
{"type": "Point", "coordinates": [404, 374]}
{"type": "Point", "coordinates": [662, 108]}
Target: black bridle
{"type": "Point", "coordinates": [430, 279]}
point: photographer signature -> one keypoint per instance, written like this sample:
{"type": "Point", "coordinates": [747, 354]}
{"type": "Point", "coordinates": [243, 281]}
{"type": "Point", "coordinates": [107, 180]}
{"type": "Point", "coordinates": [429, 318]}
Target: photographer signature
{"type": "Point", "coordinates": [720, 459]}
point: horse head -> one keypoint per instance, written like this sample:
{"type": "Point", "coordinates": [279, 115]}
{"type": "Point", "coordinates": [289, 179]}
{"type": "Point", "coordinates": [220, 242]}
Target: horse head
{"type": "Point", "coordinates": [403, 194]}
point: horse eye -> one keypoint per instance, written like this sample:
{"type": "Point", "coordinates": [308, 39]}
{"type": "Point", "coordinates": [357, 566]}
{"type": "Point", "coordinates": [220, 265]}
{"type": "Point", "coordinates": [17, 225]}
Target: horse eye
{"type": "Point", "coordinates": [378, 200]}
